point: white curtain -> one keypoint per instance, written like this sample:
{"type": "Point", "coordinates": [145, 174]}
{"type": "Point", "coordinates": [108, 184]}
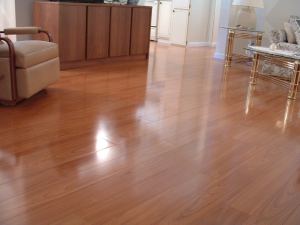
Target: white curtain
{"type": "Point", "coordinates": [7, 14]}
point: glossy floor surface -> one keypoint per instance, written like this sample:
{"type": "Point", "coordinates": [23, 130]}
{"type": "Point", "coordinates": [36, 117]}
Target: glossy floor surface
{"type": "Point", "coordinates": [170, 142]}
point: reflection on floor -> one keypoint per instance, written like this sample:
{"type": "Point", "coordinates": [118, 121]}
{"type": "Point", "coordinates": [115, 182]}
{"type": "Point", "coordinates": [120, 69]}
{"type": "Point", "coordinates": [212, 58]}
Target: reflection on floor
{"type": "Point", "coordinates": [173, 141]}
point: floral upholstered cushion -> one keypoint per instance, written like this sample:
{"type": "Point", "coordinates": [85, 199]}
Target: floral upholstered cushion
{"type": "Point", "coordinates": [297, 33]}
{"type": "Point", "coordinates": [278, 71]}
{"type": "Point", "coordinates": [290, 33]}
{"type": "Point", "coordinates": [293, 22]}
{"type": "Point", "coordinates": [277, 36]}
{"type": "Point", "coordinates": [290, 43]}
{"type": "Point", "coordinates": [288, 47]}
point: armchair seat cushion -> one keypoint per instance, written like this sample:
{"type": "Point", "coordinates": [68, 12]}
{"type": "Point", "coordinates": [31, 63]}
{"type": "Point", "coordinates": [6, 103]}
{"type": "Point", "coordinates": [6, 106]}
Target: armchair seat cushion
{"type": "Point", "coordinates": [30, 53]}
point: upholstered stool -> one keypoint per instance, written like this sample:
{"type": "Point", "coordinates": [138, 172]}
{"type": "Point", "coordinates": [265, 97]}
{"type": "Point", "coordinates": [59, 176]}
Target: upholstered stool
{"type": "Point", "coordinates": [26, 67]}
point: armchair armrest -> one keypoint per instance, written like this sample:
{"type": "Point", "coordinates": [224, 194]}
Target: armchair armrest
{"type": "Point", "coordinates": [24, 31]}
{"type": "Point", "coordinates": [21, 30]}
{"type": "Point", "coordinates": [277, 36]}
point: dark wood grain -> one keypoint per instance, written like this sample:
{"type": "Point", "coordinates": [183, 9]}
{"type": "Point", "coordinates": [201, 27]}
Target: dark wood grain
{"type": "Point", "coordinates": [98, 32]}
{"type": "Point", "coordinates": [140, 31]}
{"type": "Point", "coordinates": [91, 33]}
{"type": "Point", "coordinates": [47, 17]}
{"type": "Point", "coordinates": [72, 33]}
{"type": "Point", "coordinates": [120, 31]}
{"type": "Point", "coordinates": [67, 26]}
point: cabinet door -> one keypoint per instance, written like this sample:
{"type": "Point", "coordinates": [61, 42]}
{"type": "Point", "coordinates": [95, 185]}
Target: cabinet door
{"type": "Point", "coordinates": [72, 30]}
{"type": "Point", "coordinates": [120, 31]}
{"type": "Point", "coordinates": [47, 17]}
{"type": "Point", "coordinates": [140, 31]}
{"type": "Point", "coordinates": [164, 20]}
{"type": "Point", "coordinates": [180, 21]}
{"type": "Point", "coordinates": [98, 32]}
{"type": "Point", "coordinates": [181, 4]}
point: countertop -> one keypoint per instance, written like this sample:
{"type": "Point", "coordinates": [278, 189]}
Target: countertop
{"type": "Point", "coordinates": [93, 4]}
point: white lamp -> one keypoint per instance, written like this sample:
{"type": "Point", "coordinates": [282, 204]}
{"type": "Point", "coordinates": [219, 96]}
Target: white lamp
{"type": "Point", "coordinates": [245, 15]}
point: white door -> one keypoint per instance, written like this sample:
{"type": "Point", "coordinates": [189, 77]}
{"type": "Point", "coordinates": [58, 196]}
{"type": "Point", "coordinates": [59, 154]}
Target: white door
{"type": "Point", "coordinates": [153, 4]}
{"type": "Point", "coordinates": [180, 21]}
{"type": "Point", "coordinates": [181, 4]}
{"type": "Point", "coordinates": [164, 20]}
{"type": "Point", "coordinates": [154, 14]}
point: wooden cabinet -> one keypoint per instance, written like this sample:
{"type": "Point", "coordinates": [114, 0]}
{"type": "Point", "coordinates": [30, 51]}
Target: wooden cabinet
{"type": "Point", "coordinates": [47, 16]}
{"type": "Point", "coordinates": [67, 26]}
{"type": "Point", "coordinates": [72, 40]}
{"type": "Point", "coordinates": [98, 27]}
{"type": "Point", "coordinates": [120, 31]}
{"type": "Point", "coordinates": [88, 33]}
{"type": "Point", "coordinates": [140, 31]}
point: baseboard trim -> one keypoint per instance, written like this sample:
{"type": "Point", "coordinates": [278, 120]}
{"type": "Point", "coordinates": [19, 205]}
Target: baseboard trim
{"type": "Point", "coordinates": [219, 55]}
{"type": "Point", "coordinates": [119, 59]}
{"type": "Point", "coordinates": [189, 44]}
{"type": "Point", "coordinates": [193, 44]}
{"type": "Point", "coordinates": [164, 41]}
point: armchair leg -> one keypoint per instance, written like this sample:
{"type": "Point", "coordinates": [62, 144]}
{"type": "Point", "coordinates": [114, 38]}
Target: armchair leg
{"type": "Point", "coordinates": [8, 103]}
{"type": "Point", "coordinates": [12, 65]}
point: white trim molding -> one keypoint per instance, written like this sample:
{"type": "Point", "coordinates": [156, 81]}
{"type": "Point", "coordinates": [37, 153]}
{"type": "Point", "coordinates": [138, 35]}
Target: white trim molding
{"type": "Point", "coordinates": [163, 41]}
{"type": "Point", "coordinates": [219, 55]}
{"type": "Point", "coordinates": [192, 44]}
{"type": "Point", "coordinates": [214, 44]}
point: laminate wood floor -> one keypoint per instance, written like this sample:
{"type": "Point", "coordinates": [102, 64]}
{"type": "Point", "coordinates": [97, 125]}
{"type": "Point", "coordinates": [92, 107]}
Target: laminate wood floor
{"type": "Point", "coordinates": [171, 142]}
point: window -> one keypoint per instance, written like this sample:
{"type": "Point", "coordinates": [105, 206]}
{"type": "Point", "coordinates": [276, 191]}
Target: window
{"type": "Point", "coordinates": [7, 14]}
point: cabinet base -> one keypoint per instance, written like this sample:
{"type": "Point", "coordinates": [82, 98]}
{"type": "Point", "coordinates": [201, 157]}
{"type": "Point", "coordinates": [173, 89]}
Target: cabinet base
{"type": "Point", "coordinates": [77, 64]}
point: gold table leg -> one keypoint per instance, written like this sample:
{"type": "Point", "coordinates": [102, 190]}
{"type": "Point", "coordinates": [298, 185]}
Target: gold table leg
{"type": "Point", "coordinates": [288, 114]}
{"type": "Point", "coordinates": [259, 39]}
{"type": "Point", "coordinates": [229, 48]}
{"type": "Point", "coordinates": [254, 71]}
{"type": "Point", "coordinates": [249, 99]}
{"type": "Point", "coordinates": [295, 81]}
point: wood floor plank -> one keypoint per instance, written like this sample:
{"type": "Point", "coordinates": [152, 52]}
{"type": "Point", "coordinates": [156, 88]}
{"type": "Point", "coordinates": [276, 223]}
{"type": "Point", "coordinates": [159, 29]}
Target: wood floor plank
{"type": "Point", "coordinates": [172, 141]}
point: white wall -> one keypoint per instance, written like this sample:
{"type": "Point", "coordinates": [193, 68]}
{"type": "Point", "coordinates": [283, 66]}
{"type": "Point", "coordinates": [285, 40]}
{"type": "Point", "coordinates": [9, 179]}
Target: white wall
{"type": "Point", "coordinates": [24, 15]}
{"type": "Point", "coordinates": [199, 22]}
{"type": "Point", "coordinates": [271, 17]}
{"type": "Point", "coordinates": [215, 20]}
{"type": "Point", "coordinates": [204, 22]}
{"type": "Point", "coordinates": [24, 12]}
{"type": "Point", "coordinates": [222, 34]}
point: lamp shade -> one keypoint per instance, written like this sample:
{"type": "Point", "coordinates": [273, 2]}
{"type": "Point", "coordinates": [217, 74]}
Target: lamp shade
{"type": "Point", "coordinates": [251, 3]}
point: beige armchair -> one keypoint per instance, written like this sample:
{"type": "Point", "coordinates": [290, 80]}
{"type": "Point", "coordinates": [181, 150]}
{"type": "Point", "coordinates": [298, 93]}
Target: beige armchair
{"type": "Point", "coordinates": [26, 67]}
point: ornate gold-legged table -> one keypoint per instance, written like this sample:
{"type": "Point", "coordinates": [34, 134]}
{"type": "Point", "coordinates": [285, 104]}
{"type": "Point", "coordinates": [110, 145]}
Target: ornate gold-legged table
{"type": "Point", "coordinates": [239, 33]}
{"type": "Point", "coordinates": [281, 58]}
